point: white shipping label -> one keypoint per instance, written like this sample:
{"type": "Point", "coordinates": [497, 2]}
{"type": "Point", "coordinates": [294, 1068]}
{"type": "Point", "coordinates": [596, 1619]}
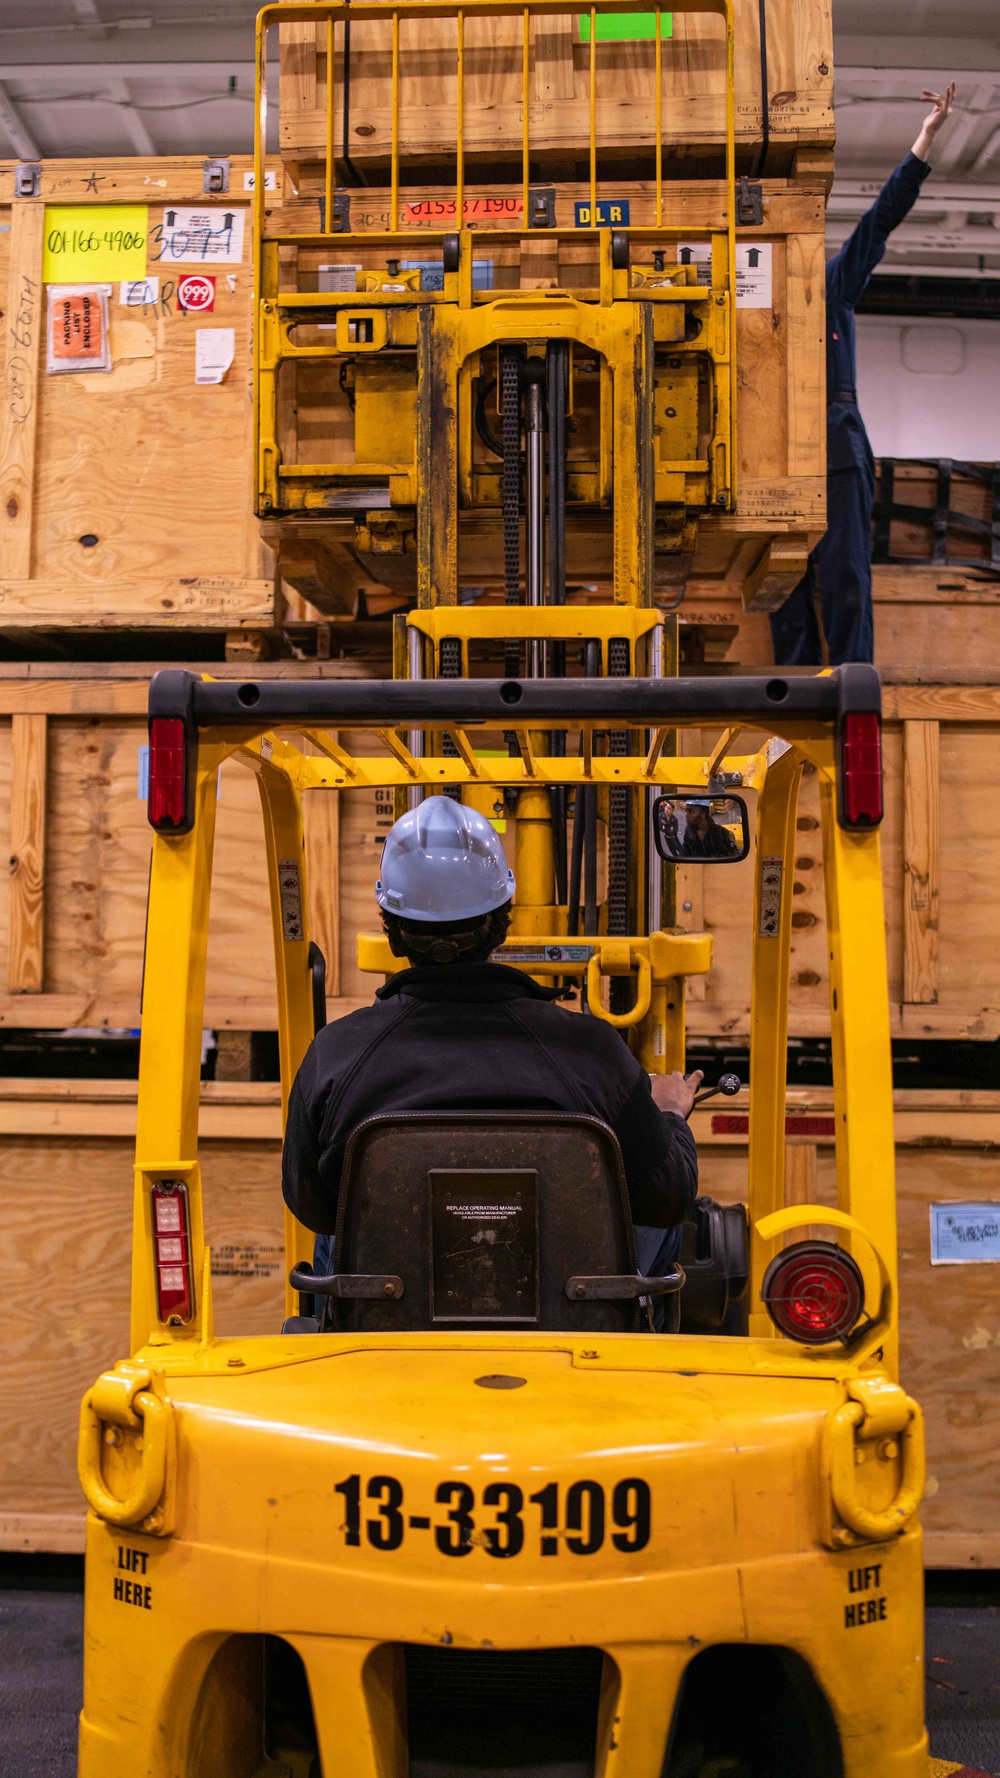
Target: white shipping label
{"type": "Point", "coordinates": [214, 351]}
{"type": "Point", "coordinates": [213, 236]}
{"type": "Point", "coordinates": [770, 896]}
{"type": "Point", "coordinates": [697, 253]}
{"type": "Point", "coordinates": [965, 1234]}
{"type": "Point", "coordinates": [339, 277]}
{"type": "Point", "coordinates": [754, 263]}
{"type": "Point", "coordinates": [270, 180]}
{"type": "Point", "coordinates": [291, 898]}
{"type": "Point", "coordinates": [753, 275]}
{"type": "Point", "coordinates": [139, 293]}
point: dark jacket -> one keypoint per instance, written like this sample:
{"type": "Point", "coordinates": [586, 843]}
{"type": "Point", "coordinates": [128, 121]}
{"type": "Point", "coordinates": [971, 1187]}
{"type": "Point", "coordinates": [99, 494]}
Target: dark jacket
{"type": "Point", "coordinates": [716, 842]}
{"type": "Point", "coordinates": [476, 1037]}
{"type": "Point", "coordinates": [847, 274]}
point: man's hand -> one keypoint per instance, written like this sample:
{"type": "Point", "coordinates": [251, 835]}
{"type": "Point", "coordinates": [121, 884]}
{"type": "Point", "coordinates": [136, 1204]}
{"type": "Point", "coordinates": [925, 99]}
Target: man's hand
{"type": "Point", "coordinates": [943, 105]}
{"type": "Point", "coordinates": [675, 1092]}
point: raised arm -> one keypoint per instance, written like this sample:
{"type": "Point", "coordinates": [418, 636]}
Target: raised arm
{"type": "Point", "coordinates": [848, 273]}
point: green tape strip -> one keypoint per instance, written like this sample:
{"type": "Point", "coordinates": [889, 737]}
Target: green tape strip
{"type": "Point", "coordinates": [626, 27]}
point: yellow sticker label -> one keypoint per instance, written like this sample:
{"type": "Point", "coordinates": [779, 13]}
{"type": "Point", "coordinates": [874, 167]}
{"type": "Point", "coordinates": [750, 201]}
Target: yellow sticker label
{"type": "Point", "coordinates": [94, 243]}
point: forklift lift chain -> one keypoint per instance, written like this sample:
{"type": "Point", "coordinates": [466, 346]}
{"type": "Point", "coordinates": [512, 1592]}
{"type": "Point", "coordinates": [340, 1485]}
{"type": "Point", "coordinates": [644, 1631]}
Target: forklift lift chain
{"type": "Point", "coordinates": [510, 491]}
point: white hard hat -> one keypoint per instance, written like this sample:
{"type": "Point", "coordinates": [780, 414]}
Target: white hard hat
{"type": "Point", "coordinates": [442, 861]}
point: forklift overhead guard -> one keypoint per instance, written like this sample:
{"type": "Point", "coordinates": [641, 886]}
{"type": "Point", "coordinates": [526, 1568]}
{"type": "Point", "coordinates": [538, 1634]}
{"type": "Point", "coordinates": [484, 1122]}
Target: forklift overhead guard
{"type": "Point", "coordinates": [214, 703]}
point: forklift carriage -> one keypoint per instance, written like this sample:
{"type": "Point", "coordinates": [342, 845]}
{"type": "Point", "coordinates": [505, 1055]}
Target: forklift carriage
{"type": "Point", "coordinates": [487, 1521]}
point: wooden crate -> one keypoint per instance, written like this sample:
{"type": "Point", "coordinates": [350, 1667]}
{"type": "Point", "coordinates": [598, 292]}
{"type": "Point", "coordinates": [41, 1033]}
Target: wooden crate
{"type": "Point", "coordinates": [931, 624]}
{"type": "Point", "coordinates": [71, 921]}
{"type": "Point", "coordinates": [126, 498]}
{"type": "Point", "coordinates": [940, 864]}
{"type": "Point", "coordinates": [799, 87]}
{"type": "Point", "coordinates": [65, 1197]}
{"type": "Point", "coordinates": [73, 918]}
{"type": "Point", "coordinates": [755, 554]}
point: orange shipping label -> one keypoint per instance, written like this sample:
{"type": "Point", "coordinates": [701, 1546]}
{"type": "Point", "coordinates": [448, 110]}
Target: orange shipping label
{"type": "Point", "coordinates": [77, 326]}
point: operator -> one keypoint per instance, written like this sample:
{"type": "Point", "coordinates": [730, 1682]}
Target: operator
{"type": "Point", "coordinates": [455, 1032]}
{"type": "Point", "coordinates": [840, 566]}
{"type": "Point", "coordinates": [704, 837]}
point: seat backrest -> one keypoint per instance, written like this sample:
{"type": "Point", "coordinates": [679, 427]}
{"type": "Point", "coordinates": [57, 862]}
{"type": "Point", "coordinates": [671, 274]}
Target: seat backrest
{"type": "Point", "coordinates": [485, 1217]}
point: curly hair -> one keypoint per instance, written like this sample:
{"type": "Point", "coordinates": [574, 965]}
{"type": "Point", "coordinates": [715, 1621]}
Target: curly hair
{"type": "Point", "coordinates": [447, 941]}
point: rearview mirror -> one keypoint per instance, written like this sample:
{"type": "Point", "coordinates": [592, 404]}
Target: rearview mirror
{"type": "Point", "coordinates": [701, 829]}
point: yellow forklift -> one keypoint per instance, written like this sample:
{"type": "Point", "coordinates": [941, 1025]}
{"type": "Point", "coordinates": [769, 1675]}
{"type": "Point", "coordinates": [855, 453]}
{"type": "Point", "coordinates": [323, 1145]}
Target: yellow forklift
{"type": "Point", "coordinates": [441, 1536]}
{"type": "Point", "coordinates": [453, 1521]}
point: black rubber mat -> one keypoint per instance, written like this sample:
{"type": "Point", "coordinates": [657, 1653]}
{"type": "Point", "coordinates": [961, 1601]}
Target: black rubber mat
{"type": "Point", "coordinates": [41, 1653]}
{"type": "Point", "coordinates": [963, 1684]}
{"type": "Point", "coordinates": [41, 1682]}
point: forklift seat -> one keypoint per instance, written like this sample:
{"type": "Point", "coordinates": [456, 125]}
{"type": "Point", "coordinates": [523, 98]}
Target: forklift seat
{"type": "Point", "coordinates": [484, 1220]}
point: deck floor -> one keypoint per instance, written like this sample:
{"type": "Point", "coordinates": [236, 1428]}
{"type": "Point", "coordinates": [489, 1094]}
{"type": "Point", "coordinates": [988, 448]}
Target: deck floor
{"type": "Point", "coordinates": [41, 1677]}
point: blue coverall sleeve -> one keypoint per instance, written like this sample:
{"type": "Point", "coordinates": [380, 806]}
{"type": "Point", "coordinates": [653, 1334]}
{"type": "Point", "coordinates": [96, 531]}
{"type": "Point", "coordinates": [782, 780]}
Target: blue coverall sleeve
{"type": "Point", "coordinates": [849, 271]}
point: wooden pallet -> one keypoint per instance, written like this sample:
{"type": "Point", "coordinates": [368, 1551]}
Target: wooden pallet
{"type": "Point", "coordinates": [799, 83]}
{"type": "Point", "coordinates": [126, 497]}
{"type": "Point", "coordinates": [68, 1184]}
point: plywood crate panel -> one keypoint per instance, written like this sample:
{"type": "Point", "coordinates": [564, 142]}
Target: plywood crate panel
{"type": "Point", "coordinates": [126, 496]}
{"type": "Point", "coordinates": [65, 1197]}
{"type": "Point", "coordinates": [74, 937]}
{"type": "Point", "coordinates": [940, 894]}
{"type": "Point", "coordinates": [66, 1201]}
{"type": "Point", "coordinates": [799, 87]}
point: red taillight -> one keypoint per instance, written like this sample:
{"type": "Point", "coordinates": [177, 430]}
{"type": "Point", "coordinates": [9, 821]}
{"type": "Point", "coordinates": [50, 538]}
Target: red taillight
{"type": "Point", "coordinates": [172, 1250]}
{"type": "Point", "coordinates": [168, 774]}
{"type": "Point", "coordinates": [814, 1292]}
{"type": "Point", "coordinates": [861, 769]}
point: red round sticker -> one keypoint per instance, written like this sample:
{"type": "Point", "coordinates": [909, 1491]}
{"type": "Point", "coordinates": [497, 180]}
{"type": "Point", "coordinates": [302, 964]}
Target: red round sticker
{"type": "Point", "coordinates": [196, 293]}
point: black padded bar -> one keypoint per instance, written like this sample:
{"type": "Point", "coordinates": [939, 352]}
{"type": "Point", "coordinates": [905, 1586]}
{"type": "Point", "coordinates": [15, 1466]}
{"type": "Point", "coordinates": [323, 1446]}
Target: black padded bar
{"type": "Point", "coordinates": [505, 703]}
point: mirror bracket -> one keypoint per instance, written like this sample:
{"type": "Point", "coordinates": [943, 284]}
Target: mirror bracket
{"type": "Point", "coordinates": [723, 781]}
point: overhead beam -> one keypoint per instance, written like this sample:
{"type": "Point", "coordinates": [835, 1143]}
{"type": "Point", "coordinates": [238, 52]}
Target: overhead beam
{"type": "Point", "coordinates": [120, 53]}
{"type": "Point", "coordinates": [133, 120]}
{"type": "Point", "coordinates": [914, 54]}
{"type": "Point", "coordinates": [18, 134]}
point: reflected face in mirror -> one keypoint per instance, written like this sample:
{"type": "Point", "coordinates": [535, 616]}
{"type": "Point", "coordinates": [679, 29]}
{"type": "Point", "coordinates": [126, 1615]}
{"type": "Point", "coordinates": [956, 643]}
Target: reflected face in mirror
{"type": "Point", "coordinates": [692, 828]}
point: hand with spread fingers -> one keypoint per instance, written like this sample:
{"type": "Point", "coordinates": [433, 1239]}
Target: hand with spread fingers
{"type": "Point", "coordinates": [675, 1092]}
{"type": "Point", "coordinates": [943, 106]}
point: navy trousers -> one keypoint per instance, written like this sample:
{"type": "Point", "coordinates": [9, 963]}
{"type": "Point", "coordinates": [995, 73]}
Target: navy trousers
{"type": "Point", "coordinates": [840, 569]}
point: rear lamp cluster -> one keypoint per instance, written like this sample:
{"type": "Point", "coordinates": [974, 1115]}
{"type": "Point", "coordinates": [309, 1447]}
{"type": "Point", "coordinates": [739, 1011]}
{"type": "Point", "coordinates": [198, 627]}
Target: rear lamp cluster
{"type": "Point", "coordinates": [172, 1246]}
{"type": "Point", "coordinates": [814, 1292]}
{"type": "Point", "coordinates": [860, 776]}
{"type": "Point", "coordinates": [168, 806]}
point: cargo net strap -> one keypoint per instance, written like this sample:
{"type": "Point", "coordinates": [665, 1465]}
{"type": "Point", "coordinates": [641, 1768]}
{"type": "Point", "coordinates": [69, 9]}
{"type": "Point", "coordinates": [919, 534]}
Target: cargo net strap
{"type": "Point", "coordinates": [941, 517]}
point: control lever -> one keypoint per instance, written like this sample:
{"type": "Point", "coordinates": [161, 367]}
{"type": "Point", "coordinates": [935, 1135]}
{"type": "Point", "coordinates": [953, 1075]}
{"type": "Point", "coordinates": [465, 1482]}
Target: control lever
{"type": "Point", "coordinates": [729, 1084]}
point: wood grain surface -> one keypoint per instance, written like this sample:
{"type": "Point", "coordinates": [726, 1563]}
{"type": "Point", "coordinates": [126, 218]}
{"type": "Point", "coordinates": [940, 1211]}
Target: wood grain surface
{"type": "Point", "coordinates": [800, 85]}
{"type": "Point", "coordinates": [25, 322]}
{"type": "Point", "coordinates": [28, 806]}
